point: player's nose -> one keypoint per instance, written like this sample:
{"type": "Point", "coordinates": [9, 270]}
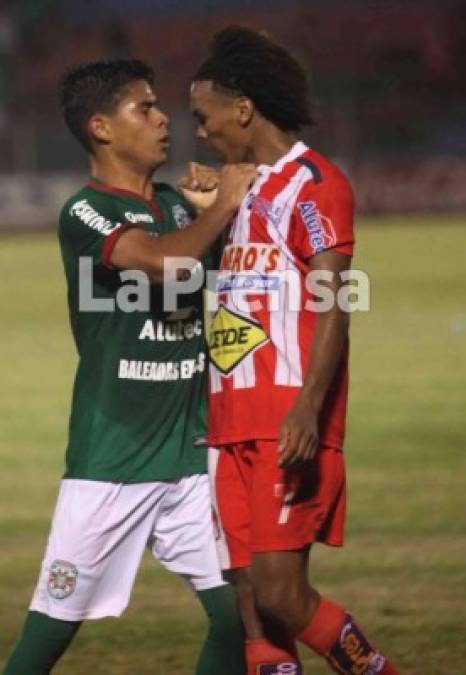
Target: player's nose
{"type": "Point", "coordinates": [201, 133]}
{"type": "Point", "coordinates": [162, 119]}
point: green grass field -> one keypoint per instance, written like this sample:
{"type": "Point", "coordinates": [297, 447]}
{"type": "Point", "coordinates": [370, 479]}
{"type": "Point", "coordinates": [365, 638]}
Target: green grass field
{"type": "Point", "coordinates": [403, 570]}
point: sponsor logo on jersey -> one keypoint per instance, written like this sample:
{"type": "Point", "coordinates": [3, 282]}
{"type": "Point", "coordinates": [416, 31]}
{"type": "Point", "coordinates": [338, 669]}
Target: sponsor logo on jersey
{"type": "Point", "coordinates": [232, 337]}
{"type": "Point", "coordinates": [286, 668]}
{"type": "Point", "coordinates": [161, 371]}
{"type": "Point", "coordinates": [90, 217]}
{"type": "Point", "coordinates": [139, 217]}
{"type": "Point", "coordinates": [248, 282]}
{"type": "Point", "coordinates": [170, 331]}
{"type": "Point", "coordinates": [354, 654]}
{"type": "Point", "coordinates": [181, 216]}
{"type": "Point", "coordinates": [264, 208]}
{"type": "Point", "coordinates": [263, 258]}
{"type": "Point", "coordinates": [62, 579]}
{"type": "Point", "coordinates": [320, 228]}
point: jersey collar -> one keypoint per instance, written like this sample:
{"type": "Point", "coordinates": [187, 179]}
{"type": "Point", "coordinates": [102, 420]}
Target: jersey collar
{"type": "Point", "coordinates": [294, 152]}
{"type": "Point", "coordinates": [99, 186]}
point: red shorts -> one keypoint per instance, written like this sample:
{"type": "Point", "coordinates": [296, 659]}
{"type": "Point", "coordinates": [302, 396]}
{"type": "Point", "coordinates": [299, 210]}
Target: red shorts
{"type": "Point", "coordinates": [262, 507]}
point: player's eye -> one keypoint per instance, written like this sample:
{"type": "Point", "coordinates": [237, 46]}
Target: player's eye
{"type": "Point", "coordinates": [147, 107]}
{"type": "Point", "coordinates": [201, 119]}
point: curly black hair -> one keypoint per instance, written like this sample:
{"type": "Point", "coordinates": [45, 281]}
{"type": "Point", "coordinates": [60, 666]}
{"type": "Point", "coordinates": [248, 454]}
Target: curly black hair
{"type": "Point", "coordinates": [97, 87]}
{"type": "Point", "coordinates": [245, 62]}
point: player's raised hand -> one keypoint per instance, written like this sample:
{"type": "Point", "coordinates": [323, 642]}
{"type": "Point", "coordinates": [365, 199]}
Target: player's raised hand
{"type": "Point", "coordinates": [299, 435]}
{"type": "Point", "coordinates": [199, 185]}
{"type": "Point", "coordinates": [235, 181]}
{"type": "Point", "coordinates": [200, 177]}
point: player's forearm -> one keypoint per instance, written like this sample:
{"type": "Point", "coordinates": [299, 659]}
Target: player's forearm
{"type": "Point", "coordinates": [138, 250]}
{"type": "Point", "coordinates": [329, 342]}
{"type": "Point", "coordinates": [195, 240]}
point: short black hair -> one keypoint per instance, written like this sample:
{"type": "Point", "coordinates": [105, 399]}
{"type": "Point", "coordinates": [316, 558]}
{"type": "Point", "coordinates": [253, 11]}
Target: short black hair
{"type": "Point", "coordinates": [249, 63]}
{"type": "Point", "coordinates": [89, 88]}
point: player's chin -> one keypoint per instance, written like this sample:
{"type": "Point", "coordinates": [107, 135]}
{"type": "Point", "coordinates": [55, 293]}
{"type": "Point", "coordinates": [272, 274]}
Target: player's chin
{"type": "Point", "coordinates": [218, 152]}
{"type": "Point", "coordinates": [161, 157]}
{"type": "Point", "coordinates": [232, 155]}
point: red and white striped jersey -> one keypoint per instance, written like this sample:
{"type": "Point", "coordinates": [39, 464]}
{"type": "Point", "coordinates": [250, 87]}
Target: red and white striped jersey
{"type": "Point", "coordinates": [261, 337]}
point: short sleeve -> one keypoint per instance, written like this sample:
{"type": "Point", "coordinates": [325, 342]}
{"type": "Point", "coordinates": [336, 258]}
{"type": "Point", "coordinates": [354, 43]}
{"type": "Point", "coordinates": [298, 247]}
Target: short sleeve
{"type": "Point", "coordinates": [90, 228]}
{"type": "Point", "coordinates": [323, 217]}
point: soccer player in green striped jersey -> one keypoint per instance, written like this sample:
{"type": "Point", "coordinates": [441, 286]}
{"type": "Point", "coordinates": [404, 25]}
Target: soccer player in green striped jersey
{"type": "Point", "coordinates": [135, 466]}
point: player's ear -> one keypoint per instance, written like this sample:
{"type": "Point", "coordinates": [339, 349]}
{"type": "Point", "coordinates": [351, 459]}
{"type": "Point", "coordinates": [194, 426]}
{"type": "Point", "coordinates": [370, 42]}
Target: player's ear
{"type": "Point", "coordinates": [99, 129]}
{"type": "Point", "coordinates": [245, 108]}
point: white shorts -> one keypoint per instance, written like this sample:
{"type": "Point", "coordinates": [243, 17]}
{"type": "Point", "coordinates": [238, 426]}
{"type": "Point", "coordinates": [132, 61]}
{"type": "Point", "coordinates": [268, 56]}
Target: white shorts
{"type": "Point", "coordinates": [98, 536]}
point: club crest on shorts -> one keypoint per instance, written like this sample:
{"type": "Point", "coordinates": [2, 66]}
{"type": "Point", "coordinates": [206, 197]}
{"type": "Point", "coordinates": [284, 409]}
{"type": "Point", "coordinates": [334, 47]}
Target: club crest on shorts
{"type": "Point", "coordinates": [62, 580]}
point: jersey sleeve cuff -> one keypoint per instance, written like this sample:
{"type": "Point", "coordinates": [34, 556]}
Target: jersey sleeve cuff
{"type": "Point", "coordinates": [110, 243]}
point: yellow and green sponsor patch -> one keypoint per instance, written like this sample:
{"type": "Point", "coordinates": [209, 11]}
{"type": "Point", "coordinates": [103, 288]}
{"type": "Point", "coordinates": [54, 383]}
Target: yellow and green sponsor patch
{"type": "Point", "coordinates": [232, 337]}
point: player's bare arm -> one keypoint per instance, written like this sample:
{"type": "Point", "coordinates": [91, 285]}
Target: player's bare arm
{"type": "Point", "coordinates": [199, 185]}
{"type": "Point", "coordinates": [137, 249]}
{"type": "Point", "coordinates": [299, 432]}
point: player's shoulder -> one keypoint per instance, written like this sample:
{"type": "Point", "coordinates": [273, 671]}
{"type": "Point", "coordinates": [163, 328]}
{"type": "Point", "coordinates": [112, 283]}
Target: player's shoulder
{"type": "Point", "coordinates": [88, 211]}
{"type": "Point", "coordinates": [164, 189]}
{"type": "Point", "coordinates": [321, 170]}
{"type": "Point", "coordinates": [78, 196]}
{"type": "Point", "coordinates": [87, 199]}
{"type": "Point", "coordinates": [168, 192]}
{"type": "Point", "coordinates": [174, 200]}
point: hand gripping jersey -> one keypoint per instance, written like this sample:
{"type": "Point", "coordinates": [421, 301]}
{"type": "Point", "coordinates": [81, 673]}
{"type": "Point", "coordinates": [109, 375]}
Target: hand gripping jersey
{"type": "Point", "coordinates": [139, 395]}
{"type": "Point", "coordinates": [261, 337]}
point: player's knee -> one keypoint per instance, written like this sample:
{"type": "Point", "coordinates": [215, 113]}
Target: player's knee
{"type": "Point", "coordinates": [244, 589]}
{"type": "Point", "coordinates": [274, 599]}
{"type": "Point", "coordinates": [223, 625]}
{"type": "Point", "coordinates": [222, 611]}
{"type": "Point", "coordinates": [283, 603]}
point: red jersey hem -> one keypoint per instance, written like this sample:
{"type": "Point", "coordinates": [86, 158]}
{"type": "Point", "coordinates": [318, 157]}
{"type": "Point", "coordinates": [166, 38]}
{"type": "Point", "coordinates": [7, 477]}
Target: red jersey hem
{"type": "Point", "coordinates": [245, 561]}
{"type": "Point", "coordinates": [281, 545]}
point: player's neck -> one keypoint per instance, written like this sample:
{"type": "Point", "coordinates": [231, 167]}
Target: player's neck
{"type": "Point", "coordinates": [122, 177]}
{"type": "Point", "coordinates": [270, 145]}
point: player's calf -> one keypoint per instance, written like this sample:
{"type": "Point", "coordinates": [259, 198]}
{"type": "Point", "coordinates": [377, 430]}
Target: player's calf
{"type": "Point", "coordinates": [42, 642]}
{"type": "Point", "coordinates": [282, 592]}
{"type": "Point", "coordinates": [333, 634]}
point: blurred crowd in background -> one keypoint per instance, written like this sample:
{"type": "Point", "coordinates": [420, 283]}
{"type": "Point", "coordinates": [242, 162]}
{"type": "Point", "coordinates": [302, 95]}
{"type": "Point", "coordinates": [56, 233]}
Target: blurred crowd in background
{"type": "Point", "coordinates": [388, 82]}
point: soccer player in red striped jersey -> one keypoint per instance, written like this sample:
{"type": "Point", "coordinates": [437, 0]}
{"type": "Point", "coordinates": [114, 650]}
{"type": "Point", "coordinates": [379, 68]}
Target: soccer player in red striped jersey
{"type": "Point", "coordinates": [278, 373]}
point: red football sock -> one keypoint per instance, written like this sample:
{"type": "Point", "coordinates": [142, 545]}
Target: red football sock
{"type": "Point", "coordinates": [264, 658]}
{"type": "Point", "coordinates": [332, 633]}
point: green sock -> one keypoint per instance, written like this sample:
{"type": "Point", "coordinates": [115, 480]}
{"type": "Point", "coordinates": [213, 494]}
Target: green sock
{"type": "Point", "coordinates": [223, 650]}
{"type": "Point", "coordinates": [41, 643]}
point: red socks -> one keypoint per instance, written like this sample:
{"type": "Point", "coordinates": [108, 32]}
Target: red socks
{"type": "Point", "coordinates": [332, 633]}
{"type": "Point", "coordinates": [263, 658]}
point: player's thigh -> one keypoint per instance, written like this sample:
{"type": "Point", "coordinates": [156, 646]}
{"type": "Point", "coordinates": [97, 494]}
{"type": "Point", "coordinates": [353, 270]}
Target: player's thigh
{"type": "Point", "coordinates": [98, 535]}
{"type": "Point", "coordinates": [231, 475]}
{"type": "Point", "coordinates": [291, 508]}
{"type": "Point", "coordinates": [183, 538]}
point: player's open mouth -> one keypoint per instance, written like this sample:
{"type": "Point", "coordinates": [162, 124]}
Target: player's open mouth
{"type": "Point", "coordinates": [165, 141]}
